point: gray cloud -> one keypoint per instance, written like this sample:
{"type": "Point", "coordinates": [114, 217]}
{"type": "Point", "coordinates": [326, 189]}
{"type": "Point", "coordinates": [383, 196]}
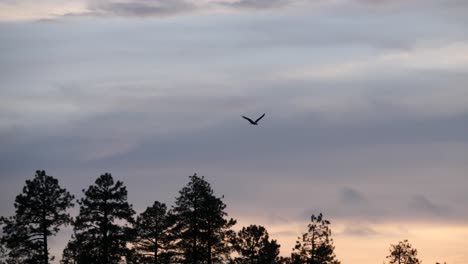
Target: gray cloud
{"type": "Point", "coordinates": [359, 231]}
{"type": "Point", "coordinates": [258, 4]}
{"type": "Point", "coordinates": [422, 204]}
{"type": "Point", "coordinates": [350, 196]}
{"type": "Point", "coordinates": [140, 7]}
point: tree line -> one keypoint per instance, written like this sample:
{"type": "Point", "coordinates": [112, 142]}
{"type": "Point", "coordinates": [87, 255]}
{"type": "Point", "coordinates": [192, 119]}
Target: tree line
{"type": "Point", "coordinates": [195, 230]}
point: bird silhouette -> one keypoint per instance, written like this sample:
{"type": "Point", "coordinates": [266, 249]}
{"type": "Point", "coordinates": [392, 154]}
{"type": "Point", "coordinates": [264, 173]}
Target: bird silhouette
{"type": "Point", "coordinates": [253, 122]}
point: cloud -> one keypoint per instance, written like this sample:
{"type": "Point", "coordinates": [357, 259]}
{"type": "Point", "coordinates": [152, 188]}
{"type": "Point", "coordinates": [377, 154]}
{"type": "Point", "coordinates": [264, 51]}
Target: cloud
{"type": "Point", "coordinates": [350, 196]}
{"type": "Point", "coordinates": [157, 8]}
{"type": "Point", "coordinates": [359, 231]}
{"type": "Point", "coordinates": [422, 204]}
{"type": "Point", "coordinates": [48, 10]}
{"type": "Point", "coordinates": [384, 2]}
{"type": "Point", "coordinates": [139, 7]}
{"type": "Point", "coordinates": [450, 57]}
{"type": "Point", "coordinates": [19, 10]}
{"type": "Point", "coordinates": [258, 4]}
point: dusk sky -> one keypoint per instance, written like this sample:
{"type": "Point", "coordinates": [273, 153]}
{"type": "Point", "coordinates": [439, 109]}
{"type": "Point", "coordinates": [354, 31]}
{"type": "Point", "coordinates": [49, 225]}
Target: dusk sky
{"type": "Point", "coordinates": [366, 106]}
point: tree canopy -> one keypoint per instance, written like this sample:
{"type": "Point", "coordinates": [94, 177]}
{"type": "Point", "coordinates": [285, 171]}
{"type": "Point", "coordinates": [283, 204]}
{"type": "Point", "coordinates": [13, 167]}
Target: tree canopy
{"type": "Point", "coordinates": [40, 211]}
{"type": "Point", "coordinates": [403, 253]}
{"type": "Point", "coordinates": [152, 238]}
{"type": "Point", "coordinates": [99, 233]}
{"type": "Point", "coordinates": [255, 247]}
{"type": "Point", "coordinates": [316, 245]}
{"type": "Point", "coordinates": [203, 233]}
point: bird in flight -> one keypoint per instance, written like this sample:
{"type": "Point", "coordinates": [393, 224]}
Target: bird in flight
{"type": "Point", "coordinates": [253, 122]}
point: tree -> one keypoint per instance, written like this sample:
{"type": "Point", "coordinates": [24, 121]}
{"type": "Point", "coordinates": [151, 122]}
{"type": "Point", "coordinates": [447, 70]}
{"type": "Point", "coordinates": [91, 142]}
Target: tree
{"type": "Point", "coordinates": [99, 233]}
{"type": "Point", "coordinates": [269, 254]}
{"type": "Point", "coordinates": [403, 253]}
{"type": "Point", "coordinates": [70, 253]}
{"type": "Point", "coordinates": [201, 231]}
{"type": "Point", "coordinates": [40, 211]}
{"type": "Point", "coordinates": [254, 246]}
{"type": "Point", "coordinates": [315, 246]}
{"type": "Point", "coordinates": [152, 238]}
{"type": "Point", "coordinates": [3, 254]}
{"type": "Point", "coordinates": [284, 260]}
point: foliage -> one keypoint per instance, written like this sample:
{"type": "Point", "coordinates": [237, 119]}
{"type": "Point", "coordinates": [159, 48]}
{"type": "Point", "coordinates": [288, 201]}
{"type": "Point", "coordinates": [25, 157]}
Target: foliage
{"type": "Point", "coordinates": [152, 242]}
{"type": "Point", "coordinates": [40, 210]}
{"type": "Point", "coordinates": [403, 253]}
{"type": "Point", "coordinates": [201, 232]}
{"type": "Point", "coordinates": [316, 245]}
{"type": "Point", "coordinates": [99, 236]}
{"type": "Point", "coordinates": [254, 246]}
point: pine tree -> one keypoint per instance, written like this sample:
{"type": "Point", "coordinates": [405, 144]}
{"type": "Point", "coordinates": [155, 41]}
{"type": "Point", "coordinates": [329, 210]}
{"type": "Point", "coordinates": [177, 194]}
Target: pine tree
{"type": "Point", "coordinates": [99, 236]}
{"type": "Point", "coordinates": [255, 247]}
{"type": "Point", "coordinates": [202, 233]}
{"type": "Point", "coordinates": [316, 245]}
{"type": "Point", "coordinates": [40, 211]}
{"type": "Point", "coordinates": [3, 254]}
{"type": "Point", "coordinates": [152, 238]}
{"type": "Point", "coordinates": [403, 253]}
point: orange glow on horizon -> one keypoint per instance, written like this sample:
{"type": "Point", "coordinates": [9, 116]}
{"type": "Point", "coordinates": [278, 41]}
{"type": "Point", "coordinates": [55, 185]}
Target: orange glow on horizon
{"type": "Point", "coordinates": [435, 242]}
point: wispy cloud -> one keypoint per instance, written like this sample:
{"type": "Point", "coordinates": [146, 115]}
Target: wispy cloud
{"type": "Point", "coordinates": [47, 10]}
{"type": "Point", "coordinates": [139, 7]}
{"type": "Point", "coordinates": [360, 231]}
{"type": "Point", "coordinates": [422, 204]}
{"type": "Point", "coordinates": [350, 196]}
{"type": "Point", "coordinates": [257, 4]}
{"type": "Point", "coordinates": [447, 57]}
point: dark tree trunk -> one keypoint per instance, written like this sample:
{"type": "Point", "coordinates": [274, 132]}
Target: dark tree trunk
{"type": "Point", "coordinates": [209, 252]}
{"type": "Point", "coordinates": [194, 251]}
{"type": "Point", "coordinates": [105, 250]}
{"type": "Point", "coordinates": [156, 252]}
{"type": "Point", "coordinates": [46, 251]}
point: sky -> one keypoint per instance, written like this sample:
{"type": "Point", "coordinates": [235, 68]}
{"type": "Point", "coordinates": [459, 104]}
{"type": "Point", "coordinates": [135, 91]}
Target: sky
{"type": "Point", "coordinates": [366, 106]}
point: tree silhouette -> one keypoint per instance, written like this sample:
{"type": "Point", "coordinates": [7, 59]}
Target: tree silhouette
{"type": "Point", "coordinates": [403, 253]}
{"type": "Point", "coordinates": [316, 245]}
{"type": "Point", "coordinates": [70, 253]}
{"type": "Point", "coordinates": [201, 231]}
{"type": "Point", "coordinates": [40, 210]}
{"type": "Point", "coordinates": [152, 239]}
{"type": "Point", "coordinates": [254, 246]}
{"type": "Point", "coordinates": [99, 236]}
{"type": "Point", "coordinates": [284, 260]}
{"type": "Point", "coordinates": [3, 254]}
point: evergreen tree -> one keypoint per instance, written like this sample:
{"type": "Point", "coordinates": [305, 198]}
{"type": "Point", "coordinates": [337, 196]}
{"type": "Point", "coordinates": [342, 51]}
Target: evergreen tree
{"type": "Point", "coordinates": [315, 246]}
{"type": "Point", "coordinates": [254, 246]}
{"type": "Point", "coordinates": [403, 253]}
{"type": "Point", "coordinates": [81, 249]}
{"type": "Point", "coordinates": [70, 253]}
{"type": "Point", "coordinates": [99, 236]}
{"type": "Point", "coordinates": [269, 254]}
{"type": "Point", "coordinates": [40, 211]}
{"type": "Point", "coordinates": [152, 238]}
{"type": "Point", "coordinates": [3, 254]}
{"type": "Point", "coordinates": [202, 233]}
{"type": "Point", "coordinates": [284, 260]}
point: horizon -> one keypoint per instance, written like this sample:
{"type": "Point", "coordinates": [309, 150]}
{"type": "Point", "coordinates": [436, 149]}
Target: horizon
{"type": "Point", "coordinates": [366, 106]}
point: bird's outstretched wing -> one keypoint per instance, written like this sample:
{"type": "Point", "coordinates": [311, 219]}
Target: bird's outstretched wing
{"type": "Point", "coordinates": [248, 119]}
{"type": "Point", "coordinates": [259, 118]}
